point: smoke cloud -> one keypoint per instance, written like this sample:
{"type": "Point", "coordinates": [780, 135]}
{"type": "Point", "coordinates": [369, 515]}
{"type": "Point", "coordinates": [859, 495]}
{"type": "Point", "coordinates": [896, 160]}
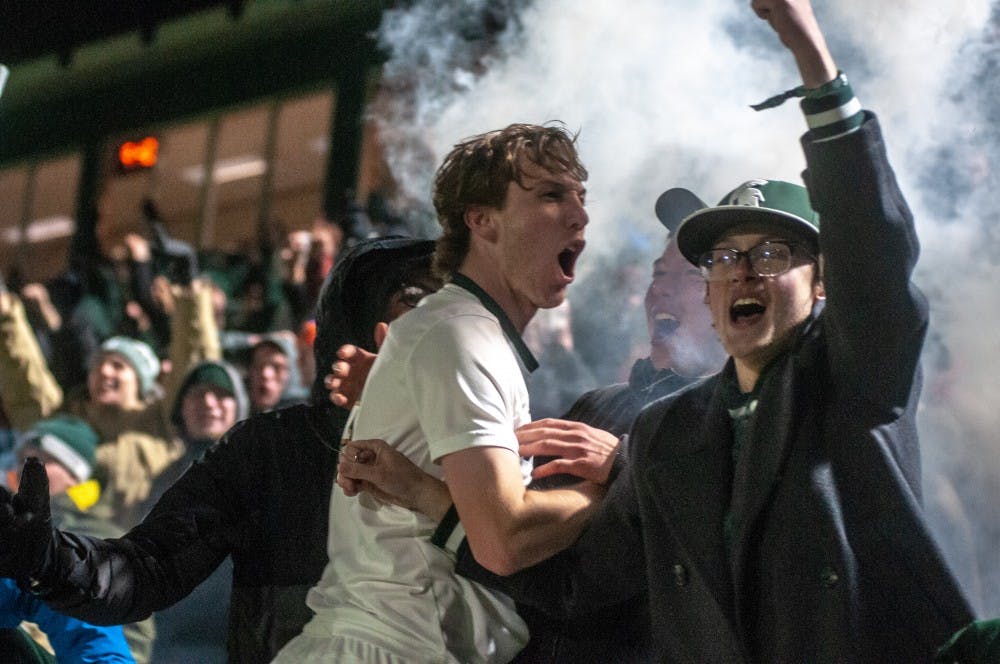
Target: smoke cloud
{"type": "Point", "coordinates": [660, 92]}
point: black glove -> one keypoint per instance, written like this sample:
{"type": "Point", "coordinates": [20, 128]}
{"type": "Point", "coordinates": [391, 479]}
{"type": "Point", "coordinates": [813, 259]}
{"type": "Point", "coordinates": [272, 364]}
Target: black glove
{"type": "Point", "coordinates": [26, 525]}
{"type": "Point", "coordinates": [182, 262]}
{"type": "Point", "coordinates": [183, 268]}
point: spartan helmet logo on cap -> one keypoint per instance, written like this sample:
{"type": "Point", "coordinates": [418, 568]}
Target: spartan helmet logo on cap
{"type": "Point", "coordinates": [748, 194]}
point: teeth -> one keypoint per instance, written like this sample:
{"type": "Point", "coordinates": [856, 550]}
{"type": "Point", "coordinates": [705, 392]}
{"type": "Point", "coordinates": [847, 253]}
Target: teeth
{"type": "Point", "coordinates": [664, 316]}
{"type": "Point", "coordinates": [748, 301]}
{"type": "Point", "coordinates": [746, 306]}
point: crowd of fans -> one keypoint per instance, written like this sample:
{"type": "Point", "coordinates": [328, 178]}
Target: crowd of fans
{"type": "Point", "coordinates": [122, 370]}
{"type": "Point", "coordinates": [179, 447]}
{"type": "Point", "coordinates": [125, 368]}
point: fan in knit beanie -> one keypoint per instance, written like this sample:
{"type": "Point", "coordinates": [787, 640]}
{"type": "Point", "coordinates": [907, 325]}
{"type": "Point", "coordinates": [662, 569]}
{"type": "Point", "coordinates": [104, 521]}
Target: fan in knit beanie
{"type": "Point", "coordinates": [139, 356]}
{"type": "Point", "coordinates": [67, 439]}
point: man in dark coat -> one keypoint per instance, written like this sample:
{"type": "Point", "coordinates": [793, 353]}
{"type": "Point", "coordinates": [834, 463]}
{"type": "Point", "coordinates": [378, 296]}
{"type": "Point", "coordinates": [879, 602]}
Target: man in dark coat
{"type": "Point", "coordinates": [260, 495]}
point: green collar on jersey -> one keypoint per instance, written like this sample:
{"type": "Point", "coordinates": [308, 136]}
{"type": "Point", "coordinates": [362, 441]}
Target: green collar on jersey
{"type": "Point", "coordinates": [530, 363]}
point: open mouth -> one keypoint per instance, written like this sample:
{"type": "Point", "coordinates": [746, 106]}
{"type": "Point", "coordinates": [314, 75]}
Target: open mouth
{"type": "Point", "coordinates": [665, 324]}
{"type": "Point", "coordinates": [745, 309]}
{"type": "Point", "coordinates": [567, 258]}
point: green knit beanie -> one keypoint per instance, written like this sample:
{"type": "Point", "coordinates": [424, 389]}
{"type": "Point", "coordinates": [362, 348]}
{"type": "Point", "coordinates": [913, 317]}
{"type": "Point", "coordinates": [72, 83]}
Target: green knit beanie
{"type": "Point", "coordinates": [69, 440]}
{"type": "Point", "coordinates": [211, 374]}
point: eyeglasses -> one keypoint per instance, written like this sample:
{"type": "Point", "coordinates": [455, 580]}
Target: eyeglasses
{"type": "Point", "coordinates": [767, 259]}
{"type": "Point", "coordinates": [411, 294]}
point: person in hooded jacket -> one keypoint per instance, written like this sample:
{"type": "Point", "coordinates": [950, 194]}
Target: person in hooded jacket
{"type": "Point", "coordinates": [212, 397]}
{"type": "Point", "coordinates": [261, 495]}
{"type": "Point", "coordinates": [210, 400]}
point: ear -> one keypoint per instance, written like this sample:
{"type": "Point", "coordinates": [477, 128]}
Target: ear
{"type": "Point", "coordinates": [380, 333]}
{"type": "Point", "coordinates": [481, 222]}
{"type": "Point", "coordinates": [818, 289]}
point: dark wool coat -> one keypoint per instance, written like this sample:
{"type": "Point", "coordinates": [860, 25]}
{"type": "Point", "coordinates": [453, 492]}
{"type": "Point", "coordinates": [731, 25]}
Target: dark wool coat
{"type": "Point", "coordinates": [829, 559]}
{"type": "Point", "coordinates": [618, 633]}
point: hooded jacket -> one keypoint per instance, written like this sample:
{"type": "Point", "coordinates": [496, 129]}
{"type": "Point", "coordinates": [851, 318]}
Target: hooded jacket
{"type": "Point", "coordinates": [261, 495]}
{"type": "Point", "coordinates": [239, 392]}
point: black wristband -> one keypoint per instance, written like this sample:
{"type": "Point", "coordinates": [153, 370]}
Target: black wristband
{"type": "Point", "coordinates": [619, 463]}
{"type": "Point", "coordinates": [445, 527]}
{"type": "Point", "coordinates": [831, 86]}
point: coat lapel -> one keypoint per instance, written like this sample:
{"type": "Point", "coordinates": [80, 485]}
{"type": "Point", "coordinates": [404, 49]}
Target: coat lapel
{"type": "Point", "coordinates": [689, 475]}
{"type": "Point", "coordinates": [759, 467]}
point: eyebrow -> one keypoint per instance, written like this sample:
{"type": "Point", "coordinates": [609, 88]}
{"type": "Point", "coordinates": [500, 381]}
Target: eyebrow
{"type": "Point", "coordinates": [776, 238]}
{"type": "Point", "coordinates": [579, 188]}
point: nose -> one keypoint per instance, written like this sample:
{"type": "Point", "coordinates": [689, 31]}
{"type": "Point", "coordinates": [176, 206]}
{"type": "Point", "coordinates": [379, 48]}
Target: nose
{"type": "Point", "coordinates": [659, 288]}
{"type": "Point", "coordinates": [741, 270]}
{"type": "Point", "coordinates": [578, 217]}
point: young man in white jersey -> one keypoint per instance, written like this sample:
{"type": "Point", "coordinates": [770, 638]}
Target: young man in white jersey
{"type": "Point", "coordinates": [448, 391]}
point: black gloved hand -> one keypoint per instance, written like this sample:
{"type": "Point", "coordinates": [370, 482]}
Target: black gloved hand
{"type": "Point", "coordinates": [182, 261]}
{"type": "Point", "coordinates": [187, 269]}
{"type": "Point", "coordinates": [26, 524]}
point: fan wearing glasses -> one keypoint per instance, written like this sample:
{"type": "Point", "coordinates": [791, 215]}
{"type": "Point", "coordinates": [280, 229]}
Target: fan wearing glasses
{"type": "Point", "coordinates": [762, 273]}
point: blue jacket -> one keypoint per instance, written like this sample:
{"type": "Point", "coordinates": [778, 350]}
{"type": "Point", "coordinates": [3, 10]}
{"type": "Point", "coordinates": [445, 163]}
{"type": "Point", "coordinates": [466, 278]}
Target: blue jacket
{"type": "Point", "coordinates": [72, 639]}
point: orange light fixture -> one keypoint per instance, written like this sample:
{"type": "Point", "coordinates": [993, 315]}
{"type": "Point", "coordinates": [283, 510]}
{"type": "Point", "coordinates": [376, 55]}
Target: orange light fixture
{"type": "Point", "coordinates": [134, 155]}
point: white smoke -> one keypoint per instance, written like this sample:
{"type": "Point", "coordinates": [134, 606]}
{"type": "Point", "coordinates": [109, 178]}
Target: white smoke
{"type": "Point", "coordinates": [660, 91]}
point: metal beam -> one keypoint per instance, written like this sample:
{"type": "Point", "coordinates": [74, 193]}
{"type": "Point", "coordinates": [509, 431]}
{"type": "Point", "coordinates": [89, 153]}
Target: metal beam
{"type": "Point", "coordinates": [194, 66]}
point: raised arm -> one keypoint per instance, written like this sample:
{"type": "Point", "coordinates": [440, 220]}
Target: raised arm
{"type": "Point", "coordinates": [29, 390]}
{"type": "Point", "coordinates": [194, 335]}
{"type": "Point", "coordinates": [868, 236]}
{"type": "Point", "coordinates": [798, 30]}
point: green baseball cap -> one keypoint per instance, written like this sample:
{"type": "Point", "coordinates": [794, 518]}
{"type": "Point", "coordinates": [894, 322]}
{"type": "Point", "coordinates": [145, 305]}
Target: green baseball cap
{"type": "Point", "coordinates": [775, 205]}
